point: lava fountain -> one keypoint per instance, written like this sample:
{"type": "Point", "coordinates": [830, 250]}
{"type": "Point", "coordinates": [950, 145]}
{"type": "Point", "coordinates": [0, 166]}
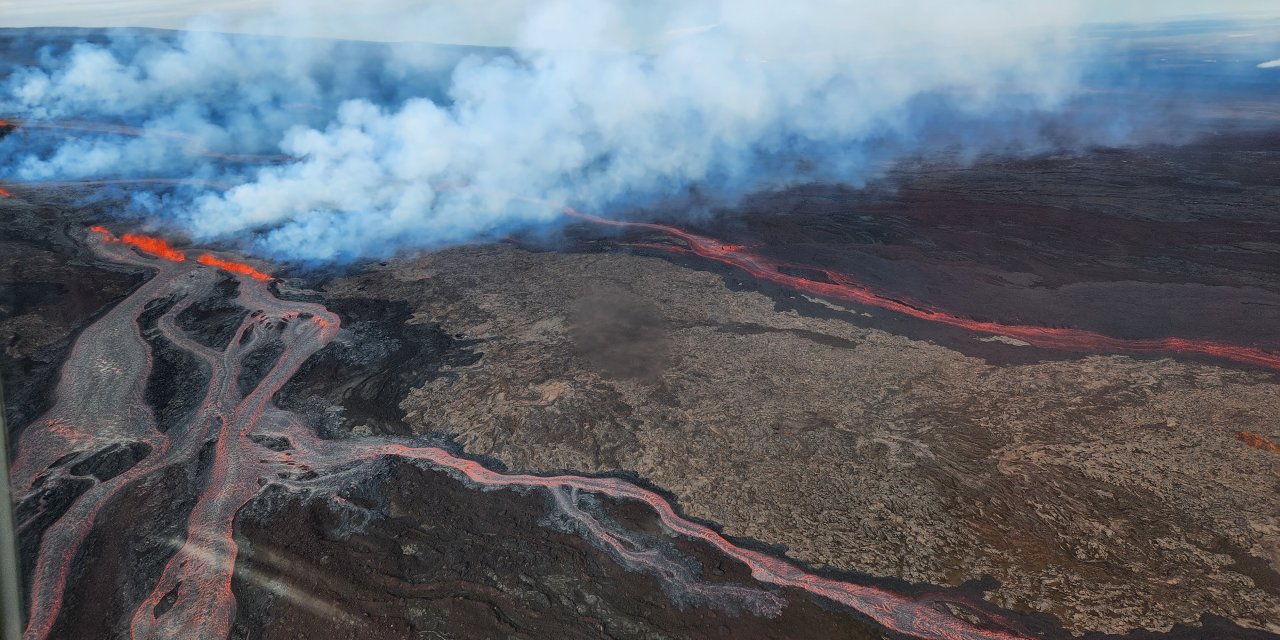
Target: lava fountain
{"type": "Point", "coordinates": [99, 405]}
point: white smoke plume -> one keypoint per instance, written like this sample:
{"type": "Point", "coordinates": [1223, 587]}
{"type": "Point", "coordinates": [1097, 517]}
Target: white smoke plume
{"type": "Point", "coordinates": [418, 146]}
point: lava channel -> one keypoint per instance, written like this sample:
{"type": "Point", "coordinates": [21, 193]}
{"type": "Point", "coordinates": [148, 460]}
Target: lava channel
{"type": "Point", "coordinates": [99, 403]}
{"type": "Point", "coordinates": [232, 266]}
{"type": "Point", "coordinates": [845, 287]}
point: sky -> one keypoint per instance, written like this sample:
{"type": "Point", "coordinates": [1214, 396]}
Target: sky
{"type": "Point", "coordinates": [495, 26]}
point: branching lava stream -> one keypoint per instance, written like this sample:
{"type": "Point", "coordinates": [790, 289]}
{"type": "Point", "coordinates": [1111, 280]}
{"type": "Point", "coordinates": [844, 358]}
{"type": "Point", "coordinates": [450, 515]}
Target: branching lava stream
{"type": "Point", "coordinates": [99, 403]}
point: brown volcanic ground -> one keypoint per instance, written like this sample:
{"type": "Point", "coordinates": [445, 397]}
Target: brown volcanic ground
{"type": "Point", "coordinates": [380, 550]}
{"type": "Point", "coordinates": [1107, 490]}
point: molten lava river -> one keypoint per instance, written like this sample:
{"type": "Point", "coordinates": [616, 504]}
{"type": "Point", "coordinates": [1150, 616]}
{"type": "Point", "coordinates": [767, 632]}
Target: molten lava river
{"type": "Point", "coordinates": [844, 287]}
{"type": "Point", "coordinates": [99, 404]}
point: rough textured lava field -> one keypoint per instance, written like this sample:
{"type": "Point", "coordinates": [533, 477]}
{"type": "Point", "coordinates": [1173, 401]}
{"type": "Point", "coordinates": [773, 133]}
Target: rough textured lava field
{"type": "Point", "coordinates": [983, 398]}
{"type": "Point", "coordinates": [313, 448]}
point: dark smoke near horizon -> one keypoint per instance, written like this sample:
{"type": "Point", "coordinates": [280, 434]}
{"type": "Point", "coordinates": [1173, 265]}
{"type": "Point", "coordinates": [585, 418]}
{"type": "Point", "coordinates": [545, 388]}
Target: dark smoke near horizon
{"type": "Point", "coordinates": [379, 149]}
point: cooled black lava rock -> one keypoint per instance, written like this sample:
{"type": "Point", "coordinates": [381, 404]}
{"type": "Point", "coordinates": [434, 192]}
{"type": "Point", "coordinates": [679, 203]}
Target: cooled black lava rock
{"type": "Point", "coordinates": [371, 366]}
{"type": "Point", "coordinates": [213, 320]}
{"type": "Point", "coordinates": [112, 461]}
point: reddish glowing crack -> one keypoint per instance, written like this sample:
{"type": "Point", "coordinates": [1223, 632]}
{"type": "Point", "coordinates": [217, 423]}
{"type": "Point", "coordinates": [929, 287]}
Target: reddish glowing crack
{"type": "Point", "coordinates": [1256, 441]}
{"type": "Point", "coordinates": [845, 287]}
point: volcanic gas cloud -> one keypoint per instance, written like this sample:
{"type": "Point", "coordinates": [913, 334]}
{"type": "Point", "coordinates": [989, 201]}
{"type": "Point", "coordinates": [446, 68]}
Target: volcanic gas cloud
{"type": "Point", "coordinates": [724, 97]}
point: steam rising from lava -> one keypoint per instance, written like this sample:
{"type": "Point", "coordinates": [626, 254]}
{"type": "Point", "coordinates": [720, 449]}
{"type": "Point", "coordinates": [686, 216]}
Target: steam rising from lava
{"type": "Point", "coordinates": [403, 147]}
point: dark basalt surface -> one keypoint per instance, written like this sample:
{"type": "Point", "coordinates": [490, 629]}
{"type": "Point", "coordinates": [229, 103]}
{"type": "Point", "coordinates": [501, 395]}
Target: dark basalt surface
{"type": "Point", "coordinates": [119, 565]}
{"type": "Point", "coordinates": [400, 550]}
{"type": "Point", "coordinates": [212, 320]}
{"type": "Point", "coordinates": [258, 363]}
{"type": "Point", "coordinates": [436, 559]}
{"type": "Point", "coordinates": [51, 288]}
{"type": "Point", "coordinates": [34, 514]}
{"type": "Point", "coordinates": [173, 387]}
{"type": "Point", "coordinates": [360, 379]}
{"type": "Point", "coordinates": [111, 461]}
{"type": "Point", "coordinates": [1132, 243]}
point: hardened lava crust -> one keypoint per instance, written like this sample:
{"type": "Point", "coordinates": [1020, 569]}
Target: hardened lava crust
{"type": "Point", "coordinates": [909, 466]}
{"type": "Point", "coordinates": [1112, 491]}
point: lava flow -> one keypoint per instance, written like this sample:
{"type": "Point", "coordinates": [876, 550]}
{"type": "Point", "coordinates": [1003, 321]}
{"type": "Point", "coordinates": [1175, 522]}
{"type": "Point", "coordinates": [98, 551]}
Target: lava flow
{"type": "Point", "coordinates": [845, 287]}
{"type": "Point", "coordinates": [4, 193]}
{"type": "Point", "coordinates": [149, 245]}
{"type": "Point", "coordinates": [232, 266]}
{"type": "Point", "coordinates": [99, 406]}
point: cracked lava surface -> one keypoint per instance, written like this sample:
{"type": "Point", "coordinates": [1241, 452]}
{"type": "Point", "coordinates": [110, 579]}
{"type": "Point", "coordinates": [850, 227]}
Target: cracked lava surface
{"type": "Point", "coordinates": [99, 405]}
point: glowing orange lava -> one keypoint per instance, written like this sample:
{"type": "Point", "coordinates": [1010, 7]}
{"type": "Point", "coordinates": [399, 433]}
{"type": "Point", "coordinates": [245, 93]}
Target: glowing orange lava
{"type": "Point", "coordinates": [101, 402]}
{"type": "Point", "coordinates": [153, 246]}
{"type": "Point", "coordinates": [149, 245]}
{"type": "Point", "coordinates": [1257, 441]}
{"type": "Point", "coordinates": [5, 193]}
{"type": "Point", "coordinates": [232, 266]}
{"type": "Point", "coordinates": [843, 286]}
{"type": "Point", "coordinates": [159, 248]}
